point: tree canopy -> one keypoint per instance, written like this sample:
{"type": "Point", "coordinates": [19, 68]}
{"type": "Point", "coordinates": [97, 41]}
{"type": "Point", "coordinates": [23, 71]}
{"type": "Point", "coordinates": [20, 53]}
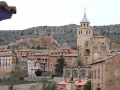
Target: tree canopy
{"type": "Point", "coordinates": [38, 72]}
{"type": "Point", "coordinates": [60, 65]}
{"type": "Point", "coordinates": [88, 86]}
{"type": "Point", "coordinates": [49, 86]}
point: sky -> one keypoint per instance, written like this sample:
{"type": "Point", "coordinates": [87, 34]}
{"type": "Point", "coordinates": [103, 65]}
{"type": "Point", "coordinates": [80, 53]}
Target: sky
{"type": "Point", "coordinates": [32, 13]}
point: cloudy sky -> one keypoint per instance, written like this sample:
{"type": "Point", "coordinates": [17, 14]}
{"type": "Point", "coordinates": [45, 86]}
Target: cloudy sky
{"type": "Point", "coordinates": [31, 13]}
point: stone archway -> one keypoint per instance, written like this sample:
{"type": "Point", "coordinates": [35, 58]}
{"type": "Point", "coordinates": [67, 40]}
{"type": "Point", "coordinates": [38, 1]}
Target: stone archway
{"type": "Point", "coordinates": [67, 73]}
{"type": "Point", "coordinates": [75, 73]}
{"type": "Point", "coordinates": [87, 52]}
{"type": "Point", "coordinates": [82, 73]}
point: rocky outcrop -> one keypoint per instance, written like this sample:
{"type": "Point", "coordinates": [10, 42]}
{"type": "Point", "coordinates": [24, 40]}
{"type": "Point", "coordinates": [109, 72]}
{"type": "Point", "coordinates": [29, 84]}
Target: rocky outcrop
{"type": "Point", "coordinates": [42, 42]}
{"type": "Point", "coordinates": [65, 35]}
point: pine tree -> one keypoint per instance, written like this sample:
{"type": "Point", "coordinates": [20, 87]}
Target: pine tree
{"type": "Point", "coordinates": [38, 47]}
{"type": "Point", "coordinates": [33, 47]}
{"type": "Point", "coordinates": [60, 65]}
{"type": "Point", "coordinates": [88, 86]}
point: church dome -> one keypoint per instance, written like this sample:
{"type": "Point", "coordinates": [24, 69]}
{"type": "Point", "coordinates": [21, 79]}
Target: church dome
{"type": "Point", "coordinates": [84, 19]}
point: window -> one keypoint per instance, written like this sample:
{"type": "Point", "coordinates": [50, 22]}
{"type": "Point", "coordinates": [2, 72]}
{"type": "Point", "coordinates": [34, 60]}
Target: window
{"type": "Point", "coordinates": [81, 32]}
{"type": "Point", "coordinates": [92, 75]}
{"type": "Point", "coordinates": [95, 74]}
{"type": "Point", "coordinates": [45, 60]}
{"type": "Point", "coordinates": [87, 25]}
{"type": "Point", "coordinates": [89, 32]}
{"type": "Point", "coordinates": [99, 74]}
{"type": "Point", "coordinates": [84, 24]}
{"type": "Point", "coordinates": [86, 32]}
{"type": "Point", "coordinates": [81, 25]}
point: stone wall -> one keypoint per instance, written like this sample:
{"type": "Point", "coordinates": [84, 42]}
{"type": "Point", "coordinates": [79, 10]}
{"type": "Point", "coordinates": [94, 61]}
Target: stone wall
{"type": "Point", "coordinates": [112, 73]}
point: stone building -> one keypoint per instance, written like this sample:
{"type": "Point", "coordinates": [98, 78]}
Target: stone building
{"type": "Point", "coordinates": [7, 63]}
{"type": "Point", "coordinates": [84, 33]}
{"type": "Point", "coordinates": [33, 65]}
{"type": "Point", "coordinates": [90, 46]}
{"type": "Point", "coordinates": [106, 73]}
{"type": "Point", "coordinates": [76, 72]}
{"type": "Point", "coordinates": [48, 58]}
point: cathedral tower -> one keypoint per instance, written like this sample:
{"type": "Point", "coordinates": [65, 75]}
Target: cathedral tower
{"type": "Point", "coordinates": [84, 33]}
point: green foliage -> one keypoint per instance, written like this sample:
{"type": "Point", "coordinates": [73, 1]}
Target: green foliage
{"type": "Point", "coordinates": [33, 47]}
{"type": "Point", "coordinates": [38, 72]}
{"type": "Point", "coordinates": [49, 86]}
{"type": "Point", "coordinates": [60, 65]}
{"type": "Point", "coordinates": [38, 47]}
{"type": "Point", "coordinates": [88, 86]}
{"type": "Point", "coordinates": [17, 77]}
{"type": "Point", "coordinates": [10, 87]}
{"type": "Point", "coordinates": [8, 47]}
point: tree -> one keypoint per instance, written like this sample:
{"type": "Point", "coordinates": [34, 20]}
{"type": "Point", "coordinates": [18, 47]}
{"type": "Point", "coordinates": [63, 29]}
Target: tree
{"type": "Point", "coordinates": [10, 87]}
{"type": "Point", "coordinates": [8, 47]}
{"type": "Point", "coordinates": [38, 47]}
{"type": "Point", "coordinates": [38, 72]}
{"type": "Point", "coordinates": [49, 86]}
{"type": "Point", "coordinates": [33, 47]}
{"type": "Point", "coordinates": [60, 65]}
{"type": "Point", "coordinates": [88, 86]}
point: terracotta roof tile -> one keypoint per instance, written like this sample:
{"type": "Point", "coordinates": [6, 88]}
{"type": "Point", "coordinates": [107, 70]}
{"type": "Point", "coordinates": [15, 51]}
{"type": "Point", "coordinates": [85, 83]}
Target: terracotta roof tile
{"type": "Point", "coordinates": [6, 54]}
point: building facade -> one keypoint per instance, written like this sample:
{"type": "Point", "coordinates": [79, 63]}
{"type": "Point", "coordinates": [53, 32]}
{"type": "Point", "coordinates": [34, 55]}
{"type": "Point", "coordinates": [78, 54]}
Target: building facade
{"type": "Point", "coordinates": [106, 73]}
{"type": "Point", "coordinates": [91, 48]}
{"type": "Point", "coordinates": [7, 63]}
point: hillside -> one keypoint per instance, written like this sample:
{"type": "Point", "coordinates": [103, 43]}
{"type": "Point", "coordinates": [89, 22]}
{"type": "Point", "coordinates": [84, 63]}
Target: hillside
{"type": "Point", "coordinates": [65, 35]}
{"type": "Point", "coordinates": [34, 43]}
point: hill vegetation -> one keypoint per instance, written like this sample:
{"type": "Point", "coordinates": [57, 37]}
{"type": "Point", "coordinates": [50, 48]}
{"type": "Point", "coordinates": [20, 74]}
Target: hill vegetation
{"type": "Point", "coordinates": [65, 35]}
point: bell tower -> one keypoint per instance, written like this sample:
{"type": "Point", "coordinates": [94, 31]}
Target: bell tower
{"type": "Point", "coordinates": [84, 33]}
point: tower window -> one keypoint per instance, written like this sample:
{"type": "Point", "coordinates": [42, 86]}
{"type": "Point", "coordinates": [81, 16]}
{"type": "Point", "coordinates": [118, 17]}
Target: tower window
{"type": "Point", "coordinates": [86, 32]}
{"type": "Point", "coordinates": [89, 32]}
{"type": "Point", "coordinates": [84, 24]}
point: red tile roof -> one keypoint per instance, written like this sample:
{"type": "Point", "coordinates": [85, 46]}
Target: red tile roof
{"type": "Point", "coordinates": [77, 82]}
{"type": "Point", "coordinates": [6, 54]}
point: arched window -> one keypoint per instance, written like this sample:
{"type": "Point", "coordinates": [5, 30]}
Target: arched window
{"type": "Point", "coordinates": [87, 25]}
{"type": "Point", "coordinates": [84, 24]}
{"type": "Point", "coordinates": [87, 52]}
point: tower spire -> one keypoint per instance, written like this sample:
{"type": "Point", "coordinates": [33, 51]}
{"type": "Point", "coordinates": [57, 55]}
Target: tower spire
{"type": "Point", "coordinates": [84, 11]}
{"type": "Point", "coordinates": [84, 19]}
